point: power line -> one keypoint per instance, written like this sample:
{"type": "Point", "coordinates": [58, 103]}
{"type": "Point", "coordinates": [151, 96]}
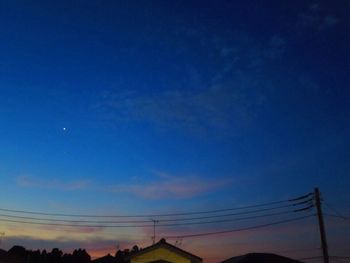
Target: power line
{"type": "Point", "coordinates": [301, 201]}
{"type": "Point", "coordinates": [157, 215]}
{"type": "Point", "coordinates": [69, 224]}
{"type": "Point", "coordinates": [336, 211]}
{"type": "Point", "coordinates": [229, 220]}
{"type": "Point", "coordinates": [340, 257]}
{"type": "Point", "coordinates": [240, 229]}
{"type": "Point", "coordinates": [337, 216]}
{"type": "Point", "coordinates": [301, 197]}
{"type": "Point", "coordinates": [147, 221]}
{"type": "Point", "coordinates": [72, 225]}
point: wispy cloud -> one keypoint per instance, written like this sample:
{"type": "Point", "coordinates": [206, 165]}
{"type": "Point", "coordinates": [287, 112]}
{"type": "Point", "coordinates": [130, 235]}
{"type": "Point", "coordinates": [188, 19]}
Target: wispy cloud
{"type": "Point", "coordinates": [217, 107]}
{"type": "Point", "coordinates": [74, 229]}
{"type": "Point", "coordinates": [29, 181]}
{"type": "Point", "coordinates": [162, 185]}
{"type": "Point", "coordinates": [170, 187]}
{"type": "Point", "coordinates": [219, 100]}
{"type": "Point", "coordinates": [313, 18]}
{"type": "Point", "coordinates": [329, 21]}
{"type": "Point", "coordinates": [275, 48]}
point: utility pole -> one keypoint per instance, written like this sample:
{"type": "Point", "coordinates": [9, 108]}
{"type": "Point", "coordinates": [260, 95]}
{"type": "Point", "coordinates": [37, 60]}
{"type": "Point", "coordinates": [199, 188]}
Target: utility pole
{"type": "Point", "coordinates": [154, 229]}
{"type": "Point", "coordinates": [321, 226]}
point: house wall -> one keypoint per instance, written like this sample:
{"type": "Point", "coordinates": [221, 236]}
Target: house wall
{"type": "Point", "coordinates": [160, 254]}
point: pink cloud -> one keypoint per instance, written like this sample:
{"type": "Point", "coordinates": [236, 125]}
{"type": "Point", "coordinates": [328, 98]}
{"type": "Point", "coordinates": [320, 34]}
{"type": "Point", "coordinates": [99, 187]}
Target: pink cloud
{"type": "Point", "coordinates": [75, 229]}
{"type": "Point", "coordinates": [162, 186]}
{"type": "Point", "coordinates": [169, 186]}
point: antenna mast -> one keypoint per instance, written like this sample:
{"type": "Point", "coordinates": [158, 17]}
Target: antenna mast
{"type": "Point", "coordinates": [154, 230]}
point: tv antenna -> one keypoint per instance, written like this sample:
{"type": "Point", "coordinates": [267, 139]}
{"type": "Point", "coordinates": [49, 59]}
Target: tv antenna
{"type": "Point", "coordinates": [154, 229]}
{"type": "Point", "coordinates": [117, 246]}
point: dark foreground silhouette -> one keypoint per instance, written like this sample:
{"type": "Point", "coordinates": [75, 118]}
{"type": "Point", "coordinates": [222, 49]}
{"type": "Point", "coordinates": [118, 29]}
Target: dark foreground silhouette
{"type": "Point", "coordinates": [18, 254]}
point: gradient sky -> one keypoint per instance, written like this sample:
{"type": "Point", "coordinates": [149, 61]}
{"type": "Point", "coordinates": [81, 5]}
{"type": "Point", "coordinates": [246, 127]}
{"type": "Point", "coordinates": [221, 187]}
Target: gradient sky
{"type": "Point", "coordinates": [129, 107]}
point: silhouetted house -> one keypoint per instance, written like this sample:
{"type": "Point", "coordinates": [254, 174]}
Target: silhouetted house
{"type": "Point", "coordinates": [260, 258]}
{"type": "Point", "coordinates": [106, 259]}
{"type": "Point", "coordinates": [3, 254]}
{"type": "Point", "coordinates": [122, 256]}
{"type": "Point", "coordinates": [163, 252]}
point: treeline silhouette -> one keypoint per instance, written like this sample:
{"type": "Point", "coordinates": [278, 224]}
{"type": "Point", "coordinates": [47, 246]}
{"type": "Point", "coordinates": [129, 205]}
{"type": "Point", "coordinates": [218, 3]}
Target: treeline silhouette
{"type": "Point", "coordinates": [18, 254]}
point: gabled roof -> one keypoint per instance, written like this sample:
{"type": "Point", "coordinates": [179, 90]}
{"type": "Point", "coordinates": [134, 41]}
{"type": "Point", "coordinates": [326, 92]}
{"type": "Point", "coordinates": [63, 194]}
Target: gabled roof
{"type": "Point", "coordinates": [260, 258]}
{"type": "Point", "coordinates": [163, 244]}
{"type": "Point", "coordinates": [105, 259]}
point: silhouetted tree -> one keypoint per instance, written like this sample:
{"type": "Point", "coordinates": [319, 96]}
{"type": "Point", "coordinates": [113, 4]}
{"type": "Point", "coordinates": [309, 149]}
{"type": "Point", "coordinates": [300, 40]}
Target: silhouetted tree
{"type": "Point", "coordinates": [135, 249]}
{"type": "Point", "coordinates": [119, 255]}
{"type": "Point", "coordinates": [67, 258]}
{"type": "Point", "coordinates": [81, 256]}
{"type": "Point", "coordinates": [17, 251]}
{"type": "Point", "coordinates": [43, 257]}
{"type": "Point", "coordinates": [55, 256]}
{"type": "Point", "coordinates": [16, 254]}
{"type": "Point", "coordinates": [34, 256]}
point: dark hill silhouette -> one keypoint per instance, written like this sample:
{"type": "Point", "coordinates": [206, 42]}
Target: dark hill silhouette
{"type": "Point", "coordinates": [260, 258]}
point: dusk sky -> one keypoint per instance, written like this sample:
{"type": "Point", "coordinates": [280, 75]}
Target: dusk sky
{"type": "Point", "coordinates": [155, 107]}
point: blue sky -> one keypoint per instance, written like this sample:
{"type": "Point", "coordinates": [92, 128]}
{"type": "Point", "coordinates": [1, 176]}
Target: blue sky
{"type": "Point", "coordinates": [156, 106]}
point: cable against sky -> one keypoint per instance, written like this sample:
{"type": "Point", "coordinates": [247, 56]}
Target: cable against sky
{"type": "Point", "coordinates": [163, 215]}
{"type": "Point", "coordinates": [299, 205]}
